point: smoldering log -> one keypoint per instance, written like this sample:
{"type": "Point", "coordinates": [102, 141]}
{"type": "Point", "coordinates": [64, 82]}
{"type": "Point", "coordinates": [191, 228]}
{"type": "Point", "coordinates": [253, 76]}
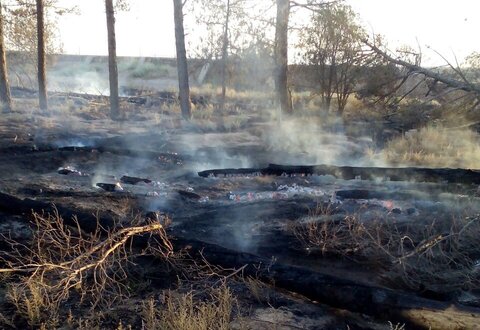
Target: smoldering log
{"type": "Point", "coordinates": [146, 154]}
{"type": "Point", "coordinates": [87, 221]}
{"type": "Point", "coordinates": [333, 291]}
{"type": "Point", "coordinates": [133, 180]}
{"type": "Point", "coordinates": [188, 195]}
{"type": "Point", "coordinates": [417, 174]}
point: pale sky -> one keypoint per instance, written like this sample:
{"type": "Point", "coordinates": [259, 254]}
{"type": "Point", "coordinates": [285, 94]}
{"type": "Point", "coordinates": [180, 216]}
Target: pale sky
{"type": "Point", "coordinates": [147, 29]}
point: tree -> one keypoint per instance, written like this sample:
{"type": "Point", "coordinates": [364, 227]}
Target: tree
{"type": "Point", "coordinates": [281, 56]}
{"type": "Point", "coordinates": [228, 30]}
{"type": "Point", "coordinates": [225, 56]}
{"type": "Point", "coordinates": [42, 77]}
{"type": "Point", "coordinates": [112, 60]}
{"type": "Point", "coordinates": [182, 66]}
{"type": "Point", "coordinates": [442, 83]}
{"type": "Point", "coordinates": [5, 97]}
{"type": "Point", "coordinates": [331, 42]}
{"type": "Point", "coordinates": [20, 35]}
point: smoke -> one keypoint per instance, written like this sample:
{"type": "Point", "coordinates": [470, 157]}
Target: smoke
{"type": "Point", "coordinates": [215, 150]}
{"type": "Point", "coordinates": [90, 82]}
{"type": "Point", "coordinates": [313, 140]}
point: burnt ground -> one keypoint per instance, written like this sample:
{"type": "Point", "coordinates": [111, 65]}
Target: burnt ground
{"type": "Point", "coordinates": [247, 214]}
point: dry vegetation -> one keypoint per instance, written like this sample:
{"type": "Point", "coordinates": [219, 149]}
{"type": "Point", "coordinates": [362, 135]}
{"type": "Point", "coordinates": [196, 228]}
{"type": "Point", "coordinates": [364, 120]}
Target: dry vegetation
{"type": "Point", "coordinates": [188, 312]}
{"type": "Point", "coordinates": [437, 255]}
{"type": "Point", "coordinates": [64, 269]}
{"type": "Point", "coordinates": [64, 264]}
{"type": "Point", "coordinates": [435, 147]}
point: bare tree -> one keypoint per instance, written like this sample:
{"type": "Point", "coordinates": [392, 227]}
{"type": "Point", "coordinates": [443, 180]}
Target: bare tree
{"type": "Point", "coordinates": [228, 32]}
{"type": "Point", "coordinates": [42, 77]}
{"type": "Point", "coordinates": [20, 35]}
{"type": "Point", "coordinates": [225, 56]}
{"type": "Point", "coordinates": [182, 66]}
{"type": "Point", "coordinates": [112, 60]}
{"type": "Point", "coordinates": [5, 97]}
{"type": "Point", "coordinates": [281, 56]}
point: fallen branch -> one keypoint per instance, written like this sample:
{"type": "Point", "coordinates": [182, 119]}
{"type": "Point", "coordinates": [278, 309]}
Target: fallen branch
{"type": "Point", "coordinates": [62, 258]}
{"type": "Point", "coordinates": [450, 82]}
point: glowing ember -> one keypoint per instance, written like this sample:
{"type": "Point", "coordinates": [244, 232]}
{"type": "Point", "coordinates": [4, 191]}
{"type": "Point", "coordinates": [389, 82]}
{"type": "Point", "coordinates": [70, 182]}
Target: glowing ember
{"type": "Point", "coordinates": [388, 204]}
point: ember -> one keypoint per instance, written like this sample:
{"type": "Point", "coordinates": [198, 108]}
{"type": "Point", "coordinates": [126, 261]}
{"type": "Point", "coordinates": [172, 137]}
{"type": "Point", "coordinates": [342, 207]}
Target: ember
{"type": "Point", "coordinates": [388, 205]}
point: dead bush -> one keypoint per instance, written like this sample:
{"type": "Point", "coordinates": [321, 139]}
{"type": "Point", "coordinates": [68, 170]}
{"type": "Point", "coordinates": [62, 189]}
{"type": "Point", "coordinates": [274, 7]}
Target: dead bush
{"type": "Point", "coordinates": [439, 257]}
{"type": "Point", "coordinates": [64, 261]}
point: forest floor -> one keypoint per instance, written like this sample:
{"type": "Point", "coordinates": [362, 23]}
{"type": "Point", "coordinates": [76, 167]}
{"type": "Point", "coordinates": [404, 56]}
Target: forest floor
{"type": "Point", "coordinates": [316, 224]}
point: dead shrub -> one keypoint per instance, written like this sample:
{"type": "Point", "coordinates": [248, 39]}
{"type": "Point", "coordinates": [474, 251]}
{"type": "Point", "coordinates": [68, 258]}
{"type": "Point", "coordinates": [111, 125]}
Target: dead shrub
{"type": "Point", "coordinates": [438, 257]}
{"type": "Point", "coordinates": [64, 261]}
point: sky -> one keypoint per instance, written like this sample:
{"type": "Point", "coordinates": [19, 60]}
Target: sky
{"type": "Point", "coordinates": [449, 27]}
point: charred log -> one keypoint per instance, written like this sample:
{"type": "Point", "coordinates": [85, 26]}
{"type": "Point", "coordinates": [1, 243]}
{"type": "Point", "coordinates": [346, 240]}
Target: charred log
{"type": "Point", "coordinates": [334, 291]}
{"type": "Point", "coordinates": [110, 187]}
{"type": "Point", "coordinates": [436, 175]}
{"type": "Point", "coordinates": [188, 195]}
{"type": "Point", "coordinates": [88, 221]}
{"type": "Point", "coordinates": [133, 180]}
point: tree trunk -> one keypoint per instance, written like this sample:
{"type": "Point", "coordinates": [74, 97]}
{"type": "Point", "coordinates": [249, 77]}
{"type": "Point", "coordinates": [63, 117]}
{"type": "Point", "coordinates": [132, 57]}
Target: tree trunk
{"type": "Point", "coordinates": [5, 97]}
{"type": "Point", "coordinates": [112, 61]}
{"type": "Point", "coordinates": [225, 57]}
{"type": "Point", "coordinates": [42, 77]}
{"type": "Point", "coordinates": [182, 67]}
{"type": "Point", "coordinates": [281, 56]}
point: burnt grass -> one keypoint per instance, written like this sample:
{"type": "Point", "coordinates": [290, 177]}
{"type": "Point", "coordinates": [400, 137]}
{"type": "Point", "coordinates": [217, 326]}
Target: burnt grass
{"type": "Point", "coordinates": [254, 221]}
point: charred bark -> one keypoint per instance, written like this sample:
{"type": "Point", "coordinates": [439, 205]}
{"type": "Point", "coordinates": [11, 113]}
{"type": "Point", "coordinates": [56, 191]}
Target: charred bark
{"type": "Point", "coordinates": [281, 56]}
{"type": "Point", "coordinates": [42, 76]}
{"type": "Point", "coordinates": [112, 61]}
{"type": "Point", "coordinates": [438, 175]}
{"type": "Point", "coordinates": [182, 66]}
{"type": "Point", "coordinates": [5, 96]}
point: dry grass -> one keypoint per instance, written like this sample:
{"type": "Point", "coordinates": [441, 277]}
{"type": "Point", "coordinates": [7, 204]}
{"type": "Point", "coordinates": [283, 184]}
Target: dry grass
{"type": "Point", "coordinates": [438, 256]}
{"type": "Point", "coordinates": [435, 147]}
{"type": "Point", "coordinates": [248, 95]}
{"type": "Point", "coordinates": [258, 289]}
{"type": "Point", "coordinates": [188, 312]}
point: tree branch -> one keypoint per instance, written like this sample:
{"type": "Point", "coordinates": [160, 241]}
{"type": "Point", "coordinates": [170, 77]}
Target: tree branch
{"type": "Point", "coordinates": [466, 87]}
